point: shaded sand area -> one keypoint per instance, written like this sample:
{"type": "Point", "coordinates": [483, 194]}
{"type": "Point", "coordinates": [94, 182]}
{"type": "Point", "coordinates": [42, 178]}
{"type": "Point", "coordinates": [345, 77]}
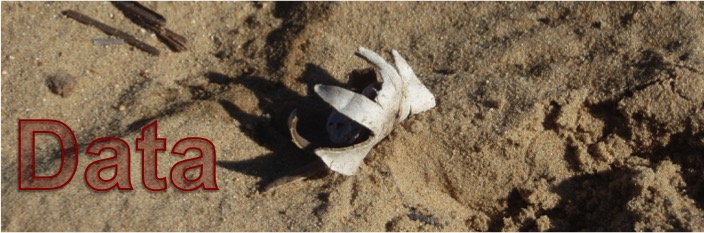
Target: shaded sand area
{"type": "Point", "coordinates": [550, 116]}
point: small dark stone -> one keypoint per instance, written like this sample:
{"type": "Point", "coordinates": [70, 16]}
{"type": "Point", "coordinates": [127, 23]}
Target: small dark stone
{"type": "Point", "coordinates": [544, 20]}
{"type": "Point", "coordinates": [61, 83]}
{"type": "Point", "coordinates": [684, 57]}
{"type": "Point", "coordinates": [222, 54]}
{"type": "Point", "coordinates": [596, 24]}
{"type": "Point", "coordinates": [446, 70]}
{"type": "Point", "coordinates": [674, 45]}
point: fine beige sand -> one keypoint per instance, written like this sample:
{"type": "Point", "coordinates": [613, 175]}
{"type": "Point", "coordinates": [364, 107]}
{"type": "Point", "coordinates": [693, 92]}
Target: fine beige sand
{"type": "Point", "coordinates": [550, 116]}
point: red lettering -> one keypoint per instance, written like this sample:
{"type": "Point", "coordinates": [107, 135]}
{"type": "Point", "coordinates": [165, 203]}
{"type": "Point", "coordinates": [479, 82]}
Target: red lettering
{"type": "Point", "coordinates": [120, 163]}
{"type": "Point", "coordinates": [28, 180]}
{"type": "Point", "coordinates": [205, 163]}
{"type": "Point", "coordinates": [149, 144]}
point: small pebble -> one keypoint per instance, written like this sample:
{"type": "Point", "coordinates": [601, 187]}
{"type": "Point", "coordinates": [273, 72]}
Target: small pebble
{"type": "Point", "coordinates": [144, 73]}
{"type": "Point", "coordinates": [61, 83]}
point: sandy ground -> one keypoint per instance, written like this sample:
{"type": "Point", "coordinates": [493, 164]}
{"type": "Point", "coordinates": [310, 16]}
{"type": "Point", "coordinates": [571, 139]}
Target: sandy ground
{"type": "Point", "coordinates": [550, 116]}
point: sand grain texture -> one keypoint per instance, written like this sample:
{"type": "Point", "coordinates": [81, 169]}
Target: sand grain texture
{"type": "Point", "coordinates": [550, 116]}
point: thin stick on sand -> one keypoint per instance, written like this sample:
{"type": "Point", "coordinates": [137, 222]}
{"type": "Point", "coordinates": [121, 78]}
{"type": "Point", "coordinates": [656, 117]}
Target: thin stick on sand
{"type": "Point", "coordinates": [112, 31]}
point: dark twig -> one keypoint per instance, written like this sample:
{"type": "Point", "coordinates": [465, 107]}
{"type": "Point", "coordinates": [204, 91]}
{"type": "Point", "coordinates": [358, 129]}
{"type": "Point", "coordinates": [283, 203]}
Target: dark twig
{"type": "Point", "coordinates": [111, 31]}
{"type": "Point", "coordinates": [152, 21]}
{"type": "Point", "coordinates": [140, 13]}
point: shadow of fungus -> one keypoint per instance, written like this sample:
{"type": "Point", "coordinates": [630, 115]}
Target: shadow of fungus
{"type": "Point", "coordinates": [270, 129]}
